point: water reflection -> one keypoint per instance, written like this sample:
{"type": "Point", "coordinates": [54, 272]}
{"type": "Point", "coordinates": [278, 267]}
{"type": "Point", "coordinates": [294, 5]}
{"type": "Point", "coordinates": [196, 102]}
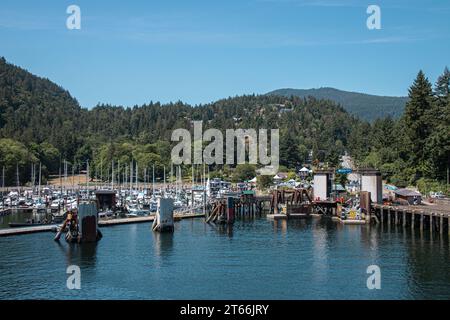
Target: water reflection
{"type": "Point", "coordinates": [82, 255]}
{"type": "Point", "coordinates": [280, 224]}
{"type": "Point", "coordinates": [224, 229]}
{"type": "Point", "coordinates": [163, 243]}
{"type": "Point", "coordinates": [320, 253]}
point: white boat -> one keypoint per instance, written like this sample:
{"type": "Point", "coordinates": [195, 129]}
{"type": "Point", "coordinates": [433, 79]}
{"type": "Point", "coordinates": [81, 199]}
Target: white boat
{"type": "Point", "coordinates": [39, 204]}
{"type": "Point", "coordinates": [131, 215]}
{"type": "Point", "coordinates": [135, 211]}
{"type": "Point", "coordinates": [177, 204]}
{"type": "Point", "coordinates": [57, 204]}
{"type": "Point", "coordinates": [105, 214]}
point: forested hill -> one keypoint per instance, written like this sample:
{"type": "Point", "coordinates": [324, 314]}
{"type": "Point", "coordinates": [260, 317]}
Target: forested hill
{"type": "Point", "coordinates": [34, 108]}
{"type": "Point", "coordinates": [365, 106]}
{"type": "Point", "coordinates": [41, 122]}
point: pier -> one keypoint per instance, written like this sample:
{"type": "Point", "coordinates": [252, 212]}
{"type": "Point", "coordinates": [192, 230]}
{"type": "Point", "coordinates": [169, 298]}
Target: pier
{"type": "Point", "coordinates": [435, 218]}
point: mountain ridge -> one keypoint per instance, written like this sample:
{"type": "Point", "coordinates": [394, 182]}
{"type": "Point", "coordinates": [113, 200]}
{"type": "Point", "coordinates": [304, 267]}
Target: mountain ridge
{"type": "Point", "coordinates": [363, 105]}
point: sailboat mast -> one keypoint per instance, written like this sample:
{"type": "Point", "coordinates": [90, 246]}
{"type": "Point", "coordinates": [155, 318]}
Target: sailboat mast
{"type": "Point", "coordinates": [192, 188]}
{"type": "Point", "coordinates": [164, 184]}
{"type": "Point", "coordinates": [153, 181]}
{"type": "Point", "coordinates": [40, 175]}
{"type": "Point", "coordinates": [60, 177]}
{"type": "Point", "coordinates": [17, 176]}
{"type": "Point", "coordinates": [126, 176]}
{"type": "Point", "coordinates": [171, 173]}
{"type": "Point", "coordinates": [118, 173]}
{"type": "Point", "coordinates": [112, 175]}
{"type": "Point", "coordinates": [73, 175]}
{"type": "Point", "coordinates": [131, 176]}
{"type": "Point", "coordinates": [87, 178]}
{"type": "Point", "coordinates": [31, 176]}
{"type": "Point", "coordinates": [137, 177]}
{"type": "Point", "coordinates": [145, 180]}
{"type": "Point", "coordinates": [204, 190]}
{"type": "Point", "coordinates": [176, 181]}
{"type": "Point", "coordinates": [3, 182]}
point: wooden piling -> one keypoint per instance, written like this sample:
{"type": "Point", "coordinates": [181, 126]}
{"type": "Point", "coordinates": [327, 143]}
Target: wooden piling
{"type": "Point", "coordinates": [381, 215]}
{"type": "Point", "coordinates": [421, 221]}
{"type": "Point", "coordinates": [441, 224]}
{"type": "Point", "coordinates": [448, 226]}
{"type": "Point", "coordinates": [413, 217]}
{"type": "Point", "coordinates": [431, 223]}
{"type": "Point", "coordinates": [404, 218]}
{"type": "Point", "coordinates": [389, 217]}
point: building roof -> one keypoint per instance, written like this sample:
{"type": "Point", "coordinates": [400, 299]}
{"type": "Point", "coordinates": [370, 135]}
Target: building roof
{"type": "Point", "coordinates": [407, 193]}
{"type": "Point", "coordinates": [280, 175]}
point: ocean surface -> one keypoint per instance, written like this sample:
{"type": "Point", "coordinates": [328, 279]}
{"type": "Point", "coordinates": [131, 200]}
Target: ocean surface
{"type": "Point", "coordinates": [255, 259]}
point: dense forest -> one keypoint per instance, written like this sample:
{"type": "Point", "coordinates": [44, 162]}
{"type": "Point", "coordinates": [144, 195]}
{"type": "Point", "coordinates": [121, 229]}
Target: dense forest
{"type": "Point", "coordinates": [40, 123]}
{"type": "Point", "coordinates": [364, 106]}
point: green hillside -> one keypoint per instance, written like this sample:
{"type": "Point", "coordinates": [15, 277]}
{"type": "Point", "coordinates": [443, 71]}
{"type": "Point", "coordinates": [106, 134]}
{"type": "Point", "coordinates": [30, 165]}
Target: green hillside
{"type": "Point", "coordinates": [365, 106]}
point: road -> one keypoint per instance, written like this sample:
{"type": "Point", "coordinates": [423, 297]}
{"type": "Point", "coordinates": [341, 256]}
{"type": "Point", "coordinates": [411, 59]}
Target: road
{"type": "Point", "coordinates": [347, 162]}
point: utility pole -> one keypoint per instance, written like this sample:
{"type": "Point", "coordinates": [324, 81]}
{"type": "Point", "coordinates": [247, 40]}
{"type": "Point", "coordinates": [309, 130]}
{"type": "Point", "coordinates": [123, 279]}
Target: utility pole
{"type": "Point", "coordinates": [40, 175]}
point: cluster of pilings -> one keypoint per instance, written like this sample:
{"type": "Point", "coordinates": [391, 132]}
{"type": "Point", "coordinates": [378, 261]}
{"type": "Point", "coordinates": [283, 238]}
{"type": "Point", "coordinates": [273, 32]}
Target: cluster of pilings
{"type": "Point", "coordinates": [297, 200]}
{"type": "Point", "coordinates": [248, 206]}
{"type": "Point", "coordinates": [435, 222]}
{"type": "Point", "coordinates": [226, 210]}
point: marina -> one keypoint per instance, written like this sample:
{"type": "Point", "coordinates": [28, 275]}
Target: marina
{"type": "Point", "coordinates": [220, 202]}
{"type": "Point", "coordinates": [220, 228]}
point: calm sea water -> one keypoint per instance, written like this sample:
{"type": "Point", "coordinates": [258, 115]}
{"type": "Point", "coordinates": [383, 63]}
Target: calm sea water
{"type": "Point", "coordinates": [258, 259]}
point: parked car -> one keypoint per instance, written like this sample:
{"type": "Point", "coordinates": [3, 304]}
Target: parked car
{"type": "Point", "coordinates": [437, 195]}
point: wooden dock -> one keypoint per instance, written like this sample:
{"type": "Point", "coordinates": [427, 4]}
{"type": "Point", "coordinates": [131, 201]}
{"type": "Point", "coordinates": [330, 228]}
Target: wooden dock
{"type": "Point", "coordinates": [435, 218]}
{"type": "Point", "coordinates": [101, 223]}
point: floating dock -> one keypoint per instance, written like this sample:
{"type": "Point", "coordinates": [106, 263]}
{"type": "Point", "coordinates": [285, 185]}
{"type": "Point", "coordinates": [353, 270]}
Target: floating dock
{"type": "Point", "coordinates": [278, 216]}
{"type": "Point", "coordinates": [115, 222]}
{"type": "Point", "coordinates": [27, 230]}
{"type": "Point", "coordinates": [349, 221]}
{"type": "Point", "coordinates": [101, 223]}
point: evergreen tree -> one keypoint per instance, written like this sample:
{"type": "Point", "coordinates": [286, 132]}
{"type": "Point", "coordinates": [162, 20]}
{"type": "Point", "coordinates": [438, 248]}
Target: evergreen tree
{"type": "Point", "coordinates": [289, 151]}
{"type": "Point", "coordinates": [442, 88]}
{"type": "Point", "coordinates": [417, 122]}
{"type": "Point", "coordinates": [438, 143]}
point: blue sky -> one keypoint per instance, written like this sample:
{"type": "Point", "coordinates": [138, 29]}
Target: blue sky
{"type": "Point", "coordinates": [132, 52]}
